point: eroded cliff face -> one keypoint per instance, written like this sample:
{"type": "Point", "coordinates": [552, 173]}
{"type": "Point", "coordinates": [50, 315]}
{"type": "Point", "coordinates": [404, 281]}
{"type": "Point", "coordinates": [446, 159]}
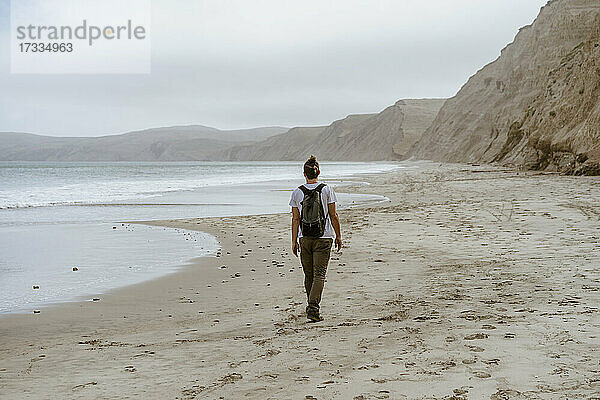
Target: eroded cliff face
{"type": "Point", "coordinates": [388, 135]}
{"type": "Point", "coordinates": [537, 106]}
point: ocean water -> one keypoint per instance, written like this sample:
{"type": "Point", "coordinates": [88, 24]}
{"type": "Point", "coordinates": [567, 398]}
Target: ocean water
{"type": "Point", "coordinates": [58, 216]}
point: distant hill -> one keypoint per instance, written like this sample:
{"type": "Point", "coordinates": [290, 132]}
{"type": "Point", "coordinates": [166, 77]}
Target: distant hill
{"type": "Point", "coordinates": [387, 135]}
{"type": "Point", "coordinates": [537, 106]}
{"type": "Point", "coordinates": [178, 143]}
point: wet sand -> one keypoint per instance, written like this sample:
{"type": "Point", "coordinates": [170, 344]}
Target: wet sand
{"type": "Point", "coordinates": [471, 283]}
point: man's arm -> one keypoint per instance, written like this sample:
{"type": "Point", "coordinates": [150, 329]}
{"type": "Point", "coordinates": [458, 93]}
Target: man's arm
{"type": "Point", "coordinates": [337, 227]}
{"type": "Point", "coordinates": [295, 226]}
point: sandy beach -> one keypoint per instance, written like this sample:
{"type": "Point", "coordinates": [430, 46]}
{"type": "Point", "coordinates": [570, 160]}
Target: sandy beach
{"type": "Point", "coordinates": [472, 282]}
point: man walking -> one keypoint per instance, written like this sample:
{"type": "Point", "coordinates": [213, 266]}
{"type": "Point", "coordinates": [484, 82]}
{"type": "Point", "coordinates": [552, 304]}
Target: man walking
{"type": "Point", "coordinates": [316, 224]}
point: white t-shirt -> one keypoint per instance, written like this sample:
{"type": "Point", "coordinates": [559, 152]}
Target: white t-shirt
{"type": "Point", "coordinates": [327, 197]}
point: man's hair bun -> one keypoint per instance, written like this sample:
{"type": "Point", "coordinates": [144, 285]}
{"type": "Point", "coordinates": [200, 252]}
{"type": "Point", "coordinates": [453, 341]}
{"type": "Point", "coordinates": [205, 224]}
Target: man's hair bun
{"type": "Point", "coordinates": [311, 167]}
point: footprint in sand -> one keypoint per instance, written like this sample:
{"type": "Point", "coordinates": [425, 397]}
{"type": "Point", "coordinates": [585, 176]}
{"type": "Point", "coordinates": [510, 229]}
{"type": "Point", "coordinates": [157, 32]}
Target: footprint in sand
{"type": "Point", "coordinates": [84, 385]}
{"type": "Point", "coordinates": [476, 349]}
{"type": "Point", "coordinates": [493, 361]}
{"type": "Point", "coordinates": [502, 394]}
{"type": "Point", "coordinates": [476, 336]}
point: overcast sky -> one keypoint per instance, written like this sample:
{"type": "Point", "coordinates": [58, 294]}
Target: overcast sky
{"type": "Point", "coordinates": [246, 63]}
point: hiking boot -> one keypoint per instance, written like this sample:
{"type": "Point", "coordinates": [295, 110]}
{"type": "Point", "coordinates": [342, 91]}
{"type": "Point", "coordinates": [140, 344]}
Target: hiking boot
{"type": "Point", "coordinates": [314, 316]}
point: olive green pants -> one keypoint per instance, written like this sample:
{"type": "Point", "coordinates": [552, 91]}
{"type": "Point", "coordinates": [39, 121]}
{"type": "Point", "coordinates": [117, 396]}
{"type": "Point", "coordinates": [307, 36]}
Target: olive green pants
{"type": "Point", "coordinates": [314, 255]}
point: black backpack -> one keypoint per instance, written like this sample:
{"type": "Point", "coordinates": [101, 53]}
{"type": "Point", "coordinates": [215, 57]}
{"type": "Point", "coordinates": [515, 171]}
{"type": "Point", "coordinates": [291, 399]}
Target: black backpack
{"type": "Point", "coordinates": [312, 218]}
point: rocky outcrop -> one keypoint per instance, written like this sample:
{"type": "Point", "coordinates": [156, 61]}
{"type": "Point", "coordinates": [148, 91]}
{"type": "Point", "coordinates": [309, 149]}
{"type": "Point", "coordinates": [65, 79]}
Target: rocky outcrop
{"type": "Point", "coordinates": [388, 135]}
{"type": "Point", "coordinates": [537, 106]}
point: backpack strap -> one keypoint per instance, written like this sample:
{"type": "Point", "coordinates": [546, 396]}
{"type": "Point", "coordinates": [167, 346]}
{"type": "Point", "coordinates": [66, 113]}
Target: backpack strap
{"type": "Point", "coordinates": [304, 189]}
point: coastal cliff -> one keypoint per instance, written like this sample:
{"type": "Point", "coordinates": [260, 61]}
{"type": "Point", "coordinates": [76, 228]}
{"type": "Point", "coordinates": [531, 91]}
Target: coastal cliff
{"type": "Point", "coordinates": [537, 106]}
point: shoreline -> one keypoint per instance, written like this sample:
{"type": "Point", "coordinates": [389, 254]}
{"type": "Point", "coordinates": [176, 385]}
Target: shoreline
{"type": "Point", "coordinates": [434, 292]}
{"type": "Point", "coordinates": [79, 294]}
